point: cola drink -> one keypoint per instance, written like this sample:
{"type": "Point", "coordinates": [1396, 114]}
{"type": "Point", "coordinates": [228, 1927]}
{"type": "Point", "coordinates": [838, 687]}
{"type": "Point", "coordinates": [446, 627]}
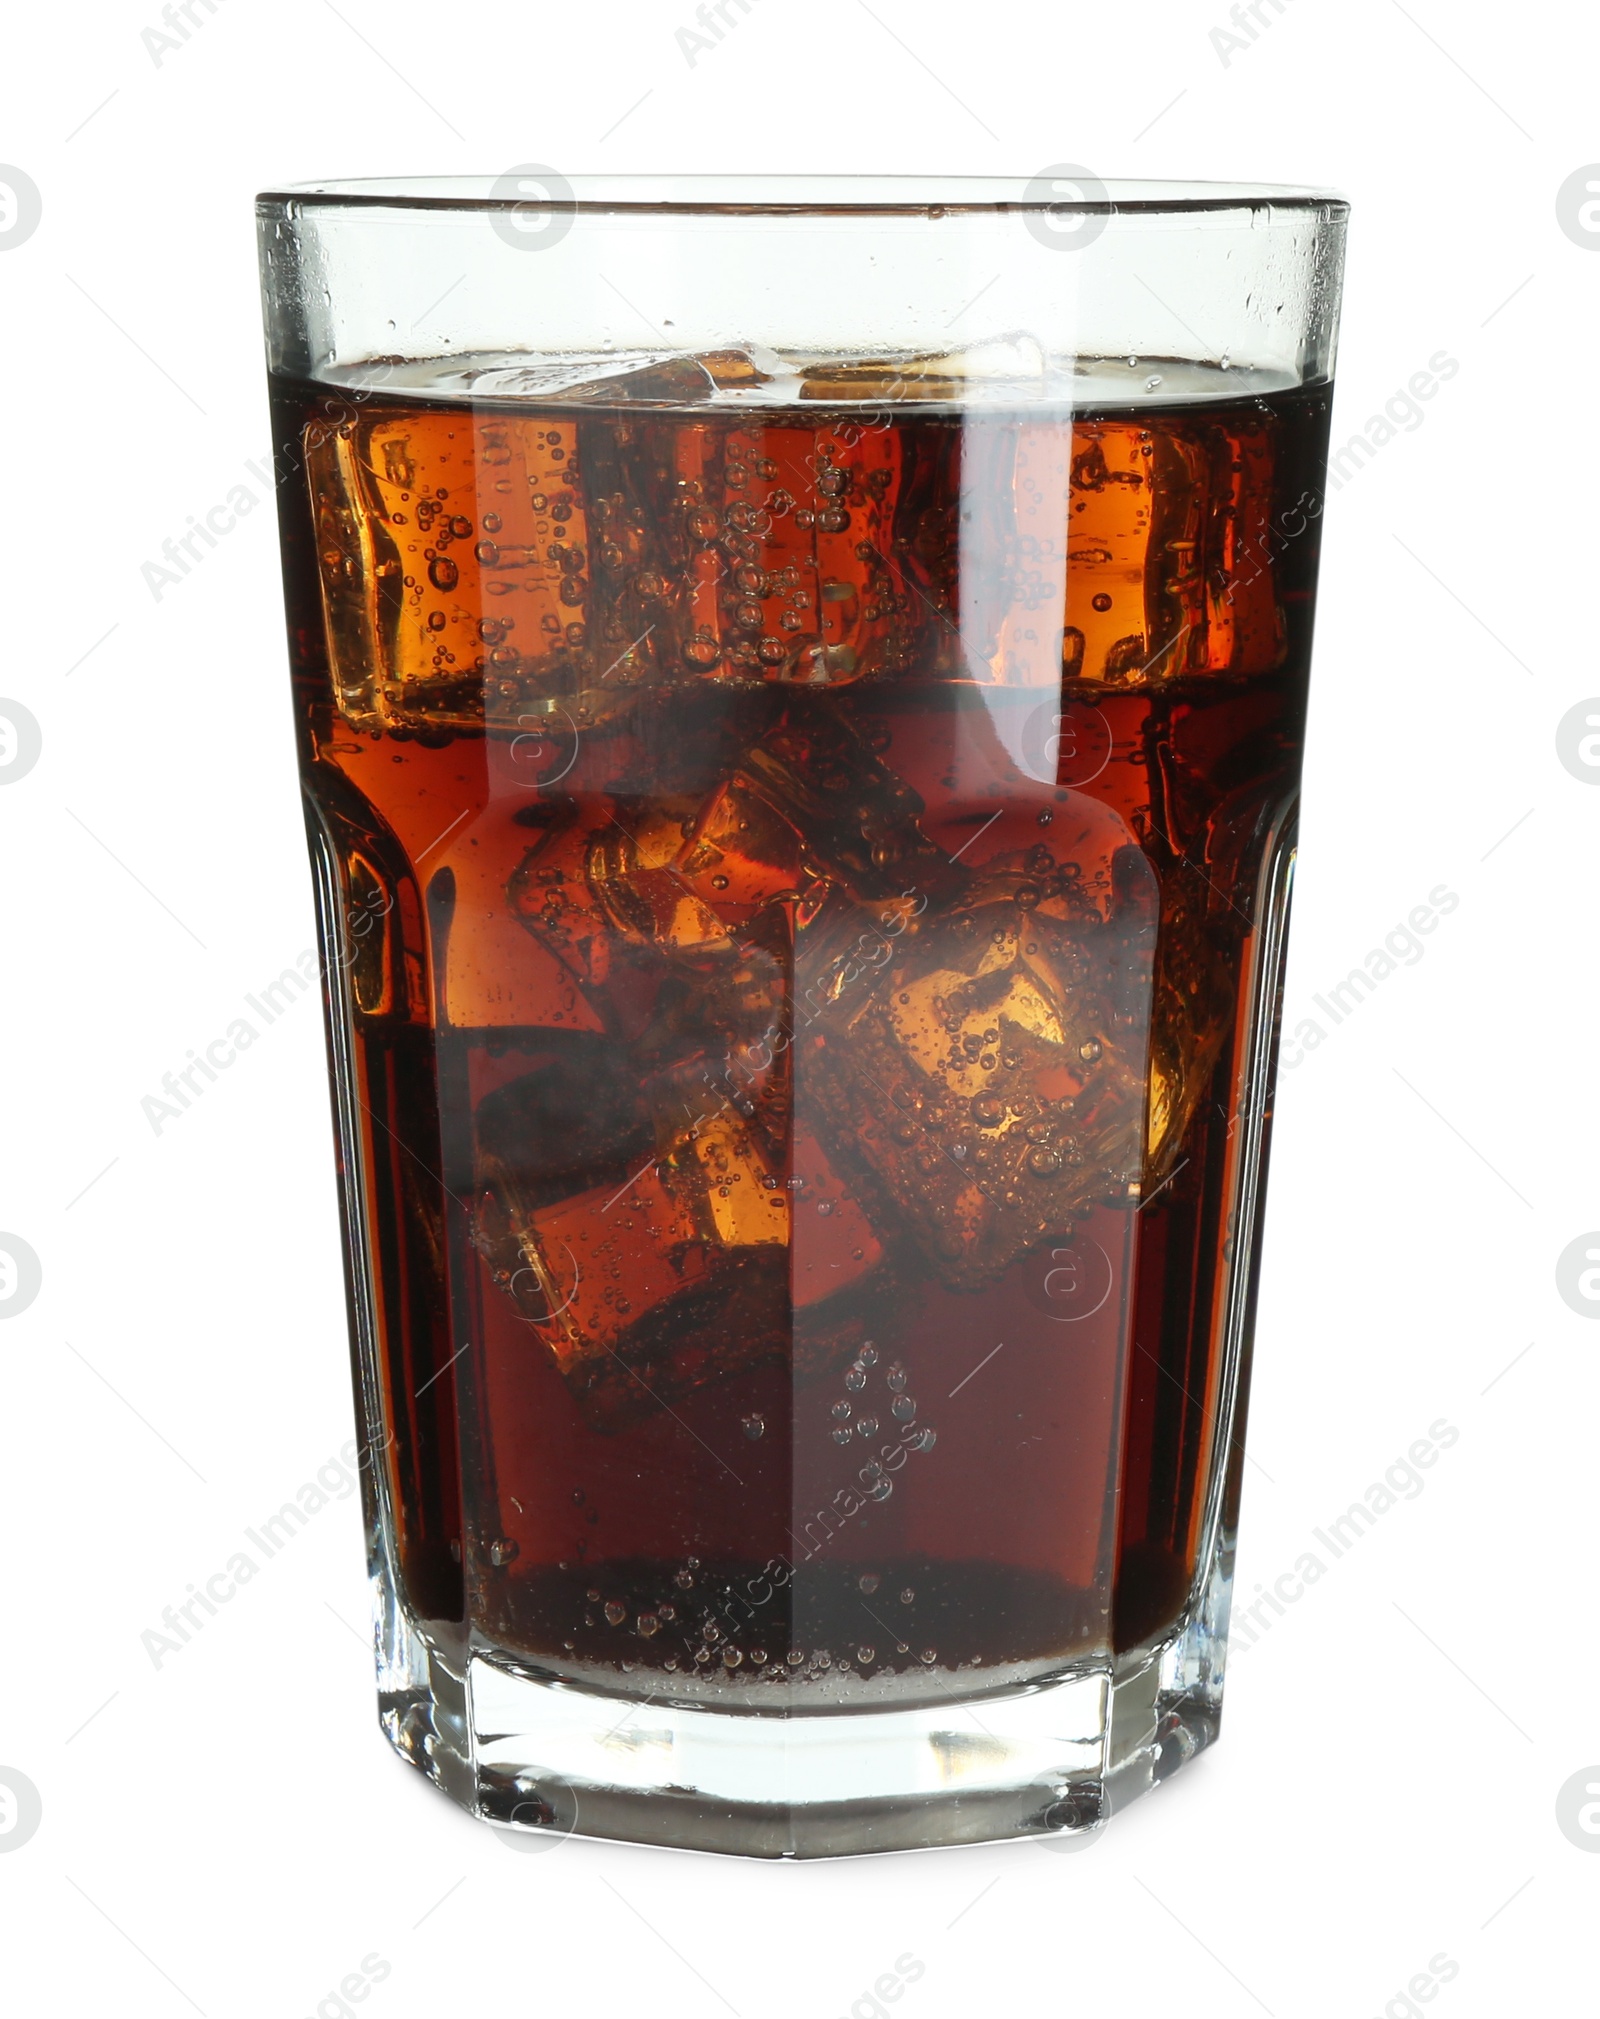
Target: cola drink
{"type": "Point", "coordinates": [802, 841]}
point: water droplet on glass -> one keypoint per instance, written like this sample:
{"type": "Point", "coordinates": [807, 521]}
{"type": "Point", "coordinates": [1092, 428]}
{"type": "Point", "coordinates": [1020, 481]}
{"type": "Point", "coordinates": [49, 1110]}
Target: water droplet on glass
{"type": "Point", "coordinates": [752, 1426]}
{"type": "Point", "coordinates": [903, 1409]}
{"type": "Point", "coordinates": [868, 1582]}
{"type": "Point", "coordinates": [616, 1613]}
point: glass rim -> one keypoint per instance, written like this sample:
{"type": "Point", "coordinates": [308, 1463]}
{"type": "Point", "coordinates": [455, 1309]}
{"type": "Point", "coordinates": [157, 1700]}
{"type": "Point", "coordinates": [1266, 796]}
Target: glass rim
{"type": "Point", "coordinates": [798, 195]}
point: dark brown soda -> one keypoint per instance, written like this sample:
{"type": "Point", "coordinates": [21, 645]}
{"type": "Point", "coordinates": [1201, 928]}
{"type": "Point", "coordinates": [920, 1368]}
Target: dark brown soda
{"type": "Point", "coordinates": [790, 879]}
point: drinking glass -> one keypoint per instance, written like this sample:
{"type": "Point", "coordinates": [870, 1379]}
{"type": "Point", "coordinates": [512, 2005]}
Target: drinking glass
{"type": "Point", "coordinates": [800, 690]}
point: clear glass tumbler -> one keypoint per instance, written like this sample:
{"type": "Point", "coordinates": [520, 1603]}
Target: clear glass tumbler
{"type": "Point", "coordinates": [800, 690]}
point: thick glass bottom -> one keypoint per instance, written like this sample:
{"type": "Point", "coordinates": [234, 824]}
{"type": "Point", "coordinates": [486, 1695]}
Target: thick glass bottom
{"type": "Point", "coordinates": [1053, 1755]}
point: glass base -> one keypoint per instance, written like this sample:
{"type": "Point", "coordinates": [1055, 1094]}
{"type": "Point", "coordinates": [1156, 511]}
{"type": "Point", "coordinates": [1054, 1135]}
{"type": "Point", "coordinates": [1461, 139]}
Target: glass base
{"type": "Point", "coordinates": [528, 1749]}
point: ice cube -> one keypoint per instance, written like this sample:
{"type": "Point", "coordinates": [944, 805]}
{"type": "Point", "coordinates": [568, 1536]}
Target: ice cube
{"type": "Point", "coordinates": [859, 819]}
{"type": "Point", "coordinates": [551, 895]}
{"type": "Point", "coordinates": [632, 870]}
{"type": "Point", "coordinates": [590, 1270]}
{"type": "Point", "coordinates": [660, 1230]}
{"type": "Point", "coordinates": [609, 1272]}
{"type": "Point", "coordinates": [742, 367]}
{"type": "Point", "coordinates": [690, 1268]}
{"type": "Point", "coordinates": [715, 1160]}
{"type": "Point", "coordinates": [741, 853]}
{"type": "Point", "coordinates": [601, 892]}
{"type": "Point", "coordinates": [653, 378]}
{"type": "Point", "coordinates": [752, 548]}
{"type": "Point", "coordinates": [998, 368]}
{"type": "Point", "coordinates": [649, 378]}
{"type": "Point", "coordinates": [988, 1081]}
{"type": "Point", "coordinates": [453, 552]}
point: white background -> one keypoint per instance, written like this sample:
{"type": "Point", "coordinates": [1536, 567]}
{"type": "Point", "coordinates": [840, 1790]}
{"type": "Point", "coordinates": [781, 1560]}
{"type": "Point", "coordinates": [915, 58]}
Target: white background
{"type": "Point", "coordinates": [229, 1834]}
